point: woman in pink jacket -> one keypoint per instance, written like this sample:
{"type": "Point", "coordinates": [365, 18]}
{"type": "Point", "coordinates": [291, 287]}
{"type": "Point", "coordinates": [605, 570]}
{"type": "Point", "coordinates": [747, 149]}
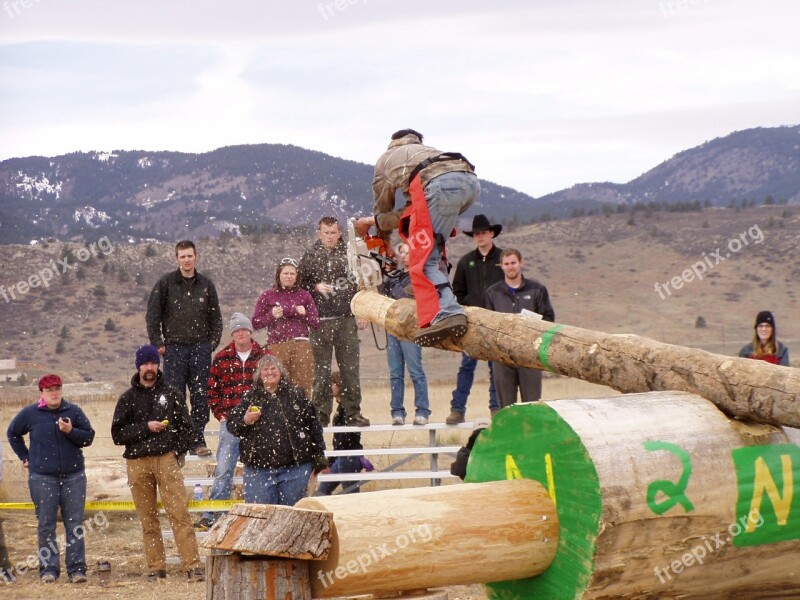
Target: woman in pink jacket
{"type": "Point", "coordinates": [289, 313]}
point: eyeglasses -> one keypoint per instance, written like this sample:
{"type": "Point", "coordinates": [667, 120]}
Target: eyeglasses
{"type": "Point", "coordinates": [289, 261]}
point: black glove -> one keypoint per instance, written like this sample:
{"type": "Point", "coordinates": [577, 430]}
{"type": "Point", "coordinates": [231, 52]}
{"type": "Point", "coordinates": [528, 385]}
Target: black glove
{"type": "Point", "coordinates": [320, 463]}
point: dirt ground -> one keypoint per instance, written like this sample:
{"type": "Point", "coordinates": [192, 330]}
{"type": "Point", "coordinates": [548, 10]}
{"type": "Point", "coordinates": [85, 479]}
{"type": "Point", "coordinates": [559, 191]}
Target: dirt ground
{"type": "Point", "coordinates": [116, 536]}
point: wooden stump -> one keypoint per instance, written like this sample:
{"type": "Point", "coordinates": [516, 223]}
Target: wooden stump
{"type": "Point", "coordinates": [237, 577]}
{"type": "Point", "coordinates": [272, 530]}
{"type": "Point", "coordinates": [751, 389]}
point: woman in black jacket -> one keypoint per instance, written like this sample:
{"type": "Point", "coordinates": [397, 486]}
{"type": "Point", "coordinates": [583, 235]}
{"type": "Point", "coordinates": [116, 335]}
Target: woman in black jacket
{"type": "Point", "coordinates": [281, 437]}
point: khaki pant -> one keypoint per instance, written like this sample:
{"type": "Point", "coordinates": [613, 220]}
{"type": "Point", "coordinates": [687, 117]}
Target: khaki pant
{"type": "Point", "coordinates": [162, 472]}
{"type": "Point", "coordinates": [298, 359]}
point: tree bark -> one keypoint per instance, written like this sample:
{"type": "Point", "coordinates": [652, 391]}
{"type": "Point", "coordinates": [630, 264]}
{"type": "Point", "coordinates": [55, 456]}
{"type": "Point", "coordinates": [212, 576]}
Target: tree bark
{"type": "Point", "coordinates": [750, 389]}
{"type": "Point", "coordinates": [235, 577]}
{"type": "Point", "coordinates": [415, 538]}
{"type": "Point", "coordinates": [272, 530]}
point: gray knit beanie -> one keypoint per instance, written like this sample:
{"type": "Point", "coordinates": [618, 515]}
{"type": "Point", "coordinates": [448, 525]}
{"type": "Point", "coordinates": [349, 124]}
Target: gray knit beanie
{"type": "Point", "coordinates": [240, 321]}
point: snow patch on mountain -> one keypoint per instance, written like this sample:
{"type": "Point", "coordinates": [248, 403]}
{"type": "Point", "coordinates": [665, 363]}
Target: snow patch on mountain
{"type": "Point", "coordinates": [91, 216]}
{"type": "Point", "coordinates": [36, 186]}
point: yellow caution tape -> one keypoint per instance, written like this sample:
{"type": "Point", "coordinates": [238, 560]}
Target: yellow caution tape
{"type": "Point", "coordinates": [128, 506]}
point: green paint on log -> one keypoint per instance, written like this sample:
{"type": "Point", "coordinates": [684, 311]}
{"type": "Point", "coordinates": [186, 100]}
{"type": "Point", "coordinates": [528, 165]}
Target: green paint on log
{"type": "Point", "coordinates": [768, 506]}
{"type": "Point", "coordinates": [544, 348]}
{"type": "Point", "coordinates": [528, 433]}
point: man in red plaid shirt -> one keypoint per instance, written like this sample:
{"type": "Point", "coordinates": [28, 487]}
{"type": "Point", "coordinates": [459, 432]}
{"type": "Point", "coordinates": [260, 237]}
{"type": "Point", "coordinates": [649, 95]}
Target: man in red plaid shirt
{"type": "Point", "coordinates": [231, 376]}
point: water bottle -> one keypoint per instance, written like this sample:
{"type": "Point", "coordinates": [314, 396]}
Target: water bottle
{"type": "Point", "coordinates": [198, 492]}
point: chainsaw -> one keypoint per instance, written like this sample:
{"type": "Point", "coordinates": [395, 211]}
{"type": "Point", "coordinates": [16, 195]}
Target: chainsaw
{"type": "Point", "coordinates": [366, 258]}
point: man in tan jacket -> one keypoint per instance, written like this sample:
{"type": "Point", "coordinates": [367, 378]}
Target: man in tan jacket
{"type": "Point", "coordinates": [438, 186]}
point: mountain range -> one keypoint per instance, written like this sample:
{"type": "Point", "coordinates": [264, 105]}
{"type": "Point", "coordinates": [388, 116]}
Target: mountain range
{"type": "Point", "coordinates": [140, 195]}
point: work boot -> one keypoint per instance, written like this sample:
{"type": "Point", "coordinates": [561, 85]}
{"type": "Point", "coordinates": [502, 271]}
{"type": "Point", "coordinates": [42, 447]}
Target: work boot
{"type": "Point", "coordinates": [454, 418]}
{"type": "Point", "coordinates": [198, 574]}
{"type": "Point", "coordinates": [452, 326]}
{"type": "Point", "coordinates": [201, 450]}
{"type": "Point", "coordinates": [357, 420]}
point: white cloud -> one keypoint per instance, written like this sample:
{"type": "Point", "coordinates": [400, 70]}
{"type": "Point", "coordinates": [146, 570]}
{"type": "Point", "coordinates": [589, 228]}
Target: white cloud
{"type": "Point", "coordinates": [539, 97]}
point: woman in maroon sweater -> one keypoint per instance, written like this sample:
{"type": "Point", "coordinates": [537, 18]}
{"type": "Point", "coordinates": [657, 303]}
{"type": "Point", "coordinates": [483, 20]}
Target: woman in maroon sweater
{"type": "Point", "coordinates": [289, 313]}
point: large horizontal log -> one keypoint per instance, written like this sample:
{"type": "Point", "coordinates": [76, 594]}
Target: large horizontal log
{"type": "Point", "coordinates": [659, 495]}
{"type": "Point", "coordinates": [413, 538]}
{"type": "Point", "coordinates": [750, 389]}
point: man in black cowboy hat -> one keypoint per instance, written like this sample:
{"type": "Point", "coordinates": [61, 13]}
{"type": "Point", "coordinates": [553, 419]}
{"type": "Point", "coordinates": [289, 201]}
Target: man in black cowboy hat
{"type": "Point", "coordinates": [475, 272]}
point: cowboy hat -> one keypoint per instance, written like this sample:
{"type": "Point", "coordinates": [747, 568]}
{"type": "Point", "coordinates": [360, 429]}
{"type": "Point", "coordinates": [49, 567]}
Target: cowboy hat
{"type": "Point", "coordinates": [481, 223]}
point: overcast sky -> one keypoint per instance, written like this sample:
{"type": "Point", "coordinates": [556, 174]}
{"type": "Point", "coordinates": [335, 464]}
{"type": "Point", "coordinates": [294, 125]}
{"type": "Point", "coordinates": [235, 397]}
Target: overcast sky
{"type": "Point", "coordinates": [539, 95]}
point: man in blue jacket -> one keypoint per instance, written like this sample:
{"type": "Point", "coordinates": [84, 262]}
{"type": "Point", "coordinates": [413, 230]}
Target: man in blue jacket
{"type": "Point", "coordinates": [56, 476]}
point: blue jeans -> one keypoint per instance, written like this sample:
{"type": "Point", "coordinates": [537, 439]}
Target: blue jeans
{"type": "Point", "coordinates": [448, 195]}
{"type": "Point", "coordinates": [285, 485]}
{"type": "Point", "coordinates": [400, 355]}
{"type": "Point", "coordinates": [227, 455]}
{"type": "Point", "coordinates": [49, 492]}
{"type": "Point", "coordinates": [189, 364]}
{"type": "Point", "coordinates": [466, 375]}
{"type": "Point", "coordinates": [342, 464]}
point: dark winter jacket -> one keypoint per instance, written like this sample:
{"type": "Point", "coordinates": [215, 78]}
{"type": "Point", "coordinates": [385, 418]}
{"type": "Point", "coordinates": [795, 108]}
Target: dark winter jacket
{"type": "Point", "coordinates": [344, 440]}
{"type": "Point", "coordinates": [320, 265]}
{"type": "Point", "coordinates": [291, 324]}
{"type": "Point", "coordinates": [474, 274]}
{"type": "Point", "coordinates": [51, 452]}
{"type": "Point", "coordinates": [398, 285]}
{"type": "Point", "coordinates": [287, 434]}
{"type": "Point", "coordinates": [781, 356]}
{"type": "Point", "coordinates": [139, 405]}
{"type": "Point", "coordinates": [183, 311]}
{"type": "Point", "coordinates": [230, 379]}
{"type": "Point", "coordinates": [532, 295]}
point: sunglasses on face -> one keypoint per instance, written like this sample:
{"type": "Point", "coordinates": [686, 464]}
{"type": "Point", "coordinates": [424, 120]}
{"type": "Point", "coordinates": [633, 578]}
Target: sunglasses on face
{"type": "Point", "coordinates": [289, 261]}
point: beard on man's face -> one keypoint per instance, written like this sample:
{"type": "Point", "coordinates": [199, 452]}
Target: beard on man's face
{"type": "Point", "coordinates": [149, 376]}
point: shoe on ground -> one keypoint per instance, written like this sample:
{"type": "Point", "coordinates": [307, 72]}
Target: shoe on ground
{"type": "Point", "coordinates": [204, 524]}
{"type": "Point", "coordinates": [398, 420]}
{"type": "Point", "coordinates": [420, 420]}
{"type": "Point", "coordinates": [357, 420]}
{"type": "Point", "coordinates": [454, 418]}
{"type": "Point", "coordinates": [77, 577]}
{"type": "Point", "coordinates": [157, 574]}
{"type": "Point", "coordinates": [48, 578]}
{"type": "Point", "coordinates": [449, 327]}
{"type": "Point", "coordinates": [201, 450]}
{"type": "Point", "coordinates": [198, 574]}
